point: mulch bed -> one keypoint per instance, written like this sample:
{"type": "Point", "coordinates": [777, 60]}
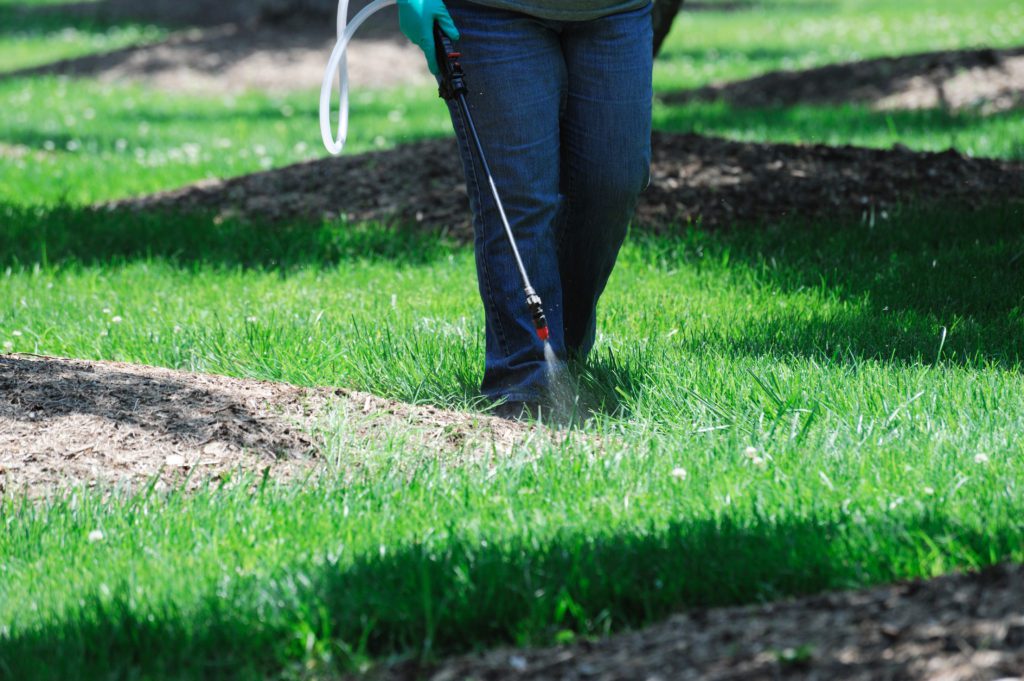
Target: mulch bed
{"type": "Point", "coordinates": [716, 182]}
{"type": "Point", "coordinates": [987, 80]}
{"type": "Point", "coordinates": [953, 628]}
{"type": "Point", "coordinates": [68, 423]}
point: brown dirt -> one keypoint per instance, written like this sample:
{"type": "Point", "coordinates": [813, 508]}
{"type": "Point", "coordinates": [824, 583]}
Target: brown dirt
{"type": "Point", "coordinates": [65, 423]}
{"type": "Point", "coordinates": [954, 628]}
{"type": "Point", "coordinates": [986, 80]}
{"type": "Point", "coordinates": [715, 181]}
{"type": "Point", "coordinates": [235, 58]}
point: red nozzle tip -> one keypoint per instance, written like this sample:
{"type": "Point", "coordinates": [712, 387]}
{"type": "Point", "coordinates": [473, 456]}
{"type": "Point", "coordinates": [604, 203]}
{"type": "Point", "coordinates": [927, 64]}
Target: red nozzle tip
{"type": "Point", "coordinates": [542, 333]}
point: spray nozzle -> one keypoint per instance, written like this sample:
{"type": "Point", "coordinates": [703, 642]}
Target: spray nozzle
{"type": "Point", "coordinates": [540, 322]}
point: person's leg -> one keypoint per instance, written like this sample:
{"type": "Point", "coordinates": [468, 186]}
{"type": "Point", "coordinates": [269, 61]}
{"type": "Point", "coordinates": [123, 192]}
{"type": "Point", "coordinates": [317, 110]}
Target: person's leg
{"type": "Point", "coordinates": [606, 157]}
{"type": "Point", "coordinates": [516, 78]}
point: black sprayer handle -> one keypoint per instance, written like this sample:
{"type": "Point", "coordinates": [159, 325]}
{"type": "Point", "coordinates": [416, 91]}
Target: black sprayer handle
{"type": "Point", "coordinates": [453, 80]}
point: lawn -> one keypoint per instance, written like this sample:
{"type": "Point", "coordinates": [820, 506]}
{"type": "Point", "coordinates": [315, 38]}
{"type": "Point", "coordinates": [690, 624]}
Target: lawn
{"type": "Point", "coordinates": [34, 33]}
{"type": "Point", "coordinates": [780, 409]}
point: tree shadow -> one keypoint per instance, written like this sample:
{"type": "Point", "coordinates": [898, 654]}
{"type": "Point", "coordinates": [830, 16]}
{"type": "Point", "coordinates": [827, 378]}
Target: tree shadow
{"type": "Point", "coordinates": [18, 19]}
{"type": "Point", "coordinates": [70, 235]}
{"type": "Point", "coordinates": [919, 285]}
{"type": "Point", "coordinates": [228, 37]}
{"type": "Point", "coordinates": [176, 14]}
{"type": "Point", "coordinates": [422, 600]}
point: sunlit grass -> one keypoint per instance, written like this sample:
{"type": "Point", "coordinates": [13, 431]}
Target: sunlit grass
{"type": "Point", "coordinates": [713, 46]}
{"type": "Point", "coordinates": [94, 142]}
{"type": "Point", "coordinates": [778, 409]}
{"type": "Point", "coordinates": [845, 400]}
{"type": "Point", "coordinates": [997, 135]}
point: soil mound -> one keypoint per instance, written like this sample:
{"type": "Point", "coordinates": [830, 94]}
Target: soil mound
{"type": "Point", "coordinates": [952, 628]}
{"type": "Point", "coordinates": [717, 182]}
{"type": "Point", "coordinates": [66, 423]}
{"type": "Point", "coordinates": [986, 80]}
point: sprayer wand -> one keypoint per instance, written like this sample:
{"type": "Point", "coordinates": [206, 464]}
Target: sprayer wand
{"type": "Point", "coordinates": [453, 87]}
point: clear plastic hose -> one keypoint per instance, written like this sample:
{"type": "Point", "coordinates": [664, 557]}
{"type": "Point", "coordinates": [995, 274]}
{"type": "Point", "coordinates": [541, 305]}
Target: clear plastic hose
{"type": "Point", "coordinates": [339, 64]}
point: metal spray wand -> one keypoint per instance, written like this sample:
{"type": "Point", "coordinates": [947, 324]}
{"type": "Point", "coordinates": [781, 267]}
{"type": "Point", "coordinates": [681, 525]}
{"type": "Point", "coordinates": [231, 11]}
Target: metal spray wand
{"type": "Point", "coordinates": [453, 87]}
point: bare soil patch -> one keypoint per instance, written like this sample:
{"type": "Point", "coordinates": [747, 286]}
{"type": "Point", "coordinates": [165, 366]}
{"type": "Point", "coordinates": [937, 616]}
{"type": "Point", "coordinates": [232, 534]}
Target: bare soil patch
{"type": "Point", "coordinates": [986, 80]}
{"type": "Point", "coordinates": [234, 58]}
{"type": "Point", "coordinates": [717, 182]}
{"type": "Point", "coordinates": [954, 628]}
{"type": "Point", "coordinates": [67, 423]}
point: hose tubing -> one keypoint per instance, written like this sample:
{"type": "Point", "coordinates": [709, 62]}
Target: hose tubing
{"type": "Point", "coordinates": [338, 63]}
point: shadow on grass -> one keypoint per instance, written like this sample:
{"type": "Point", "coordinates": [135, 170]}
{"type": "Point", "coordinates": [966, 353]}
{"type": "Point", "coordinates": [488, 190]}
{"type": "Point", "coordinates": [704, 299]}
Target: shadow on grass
{"type": "Point", "coordinates": [85, 236]}
{"type": "Point", "coordinates": [98, 15]}
{"type": "Point", "coordinates": [20, 20]}
{"type": "Point", "coordinates": [461, 593]}
{"type": "Point", "coordinates": [936, 128]}
{"type": "Point", "coordinates": [901, 279]}
{"type": "Point", "coordinates": [33, 17]}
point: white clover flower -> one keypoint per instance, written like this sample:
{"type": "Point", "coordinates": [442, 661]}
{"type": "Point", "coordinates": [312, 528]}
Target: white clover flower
{"type": "Point", "coordinates": [750, 452]}
{"type": "Point", "coordinates": [679, 473]}
{"type": "Point", "coordinates": [929, 491]}
{"type": "Point", "coordinates": [95, 536]}
{"type": "Point", "coordinates": [251, 319]}
{"type": "Point", "coordinates": [981, 459]}
{"type": "Point", "coordinates": [8, 345]}
{"type": "Point", "coordinates": [106, 310]}
{"type": "Point", "coordinates": [15, 333]}
{"type": "Point", "coordinates": [116, 319]}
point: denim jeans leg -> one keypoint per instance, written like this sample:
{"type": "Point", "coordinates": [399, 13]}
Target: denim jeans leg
{"type": "Point", "coordinates": [515, 73]}
{"type": "Point", "coordinates": [606, 156]}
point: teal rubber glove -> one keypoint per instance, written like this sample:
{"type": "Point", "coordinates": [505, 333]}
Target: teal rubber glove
{"type": "Point", "coordinates": [416, 19]}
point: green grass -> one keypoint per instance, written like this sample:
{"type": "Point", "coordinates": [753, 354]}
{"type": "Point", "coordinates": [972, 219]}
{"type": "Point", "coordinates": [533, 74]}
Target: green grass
{"type": "Point", "coordinates": [99, 142]}
{"type": "Point", "coordinates": [95, 142]}
{"type": "Point", "coordinates": [995, 136]}
{"type": "Point", "coordinates": [32, 34]}
{"type": "Point", "coordinates": [91, 142]}
{"type": "Point", "coordinates": [711, 46]}
{"type": "Point", "coordinates": [818, 345]}
{"type": "Point", "coordinates": [845, 397]}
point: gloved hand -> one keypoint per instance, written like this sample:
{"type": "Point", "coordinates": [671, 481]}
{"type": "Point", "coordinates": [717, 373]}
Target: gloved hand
{"type": "Point", "coordinates": [416, 19]}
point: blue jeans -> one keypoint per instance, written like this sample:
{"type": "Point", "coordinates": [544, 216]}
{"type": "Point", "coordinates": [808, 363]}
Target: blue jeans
{"type": "Point", "coordinates": [563, 110]}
